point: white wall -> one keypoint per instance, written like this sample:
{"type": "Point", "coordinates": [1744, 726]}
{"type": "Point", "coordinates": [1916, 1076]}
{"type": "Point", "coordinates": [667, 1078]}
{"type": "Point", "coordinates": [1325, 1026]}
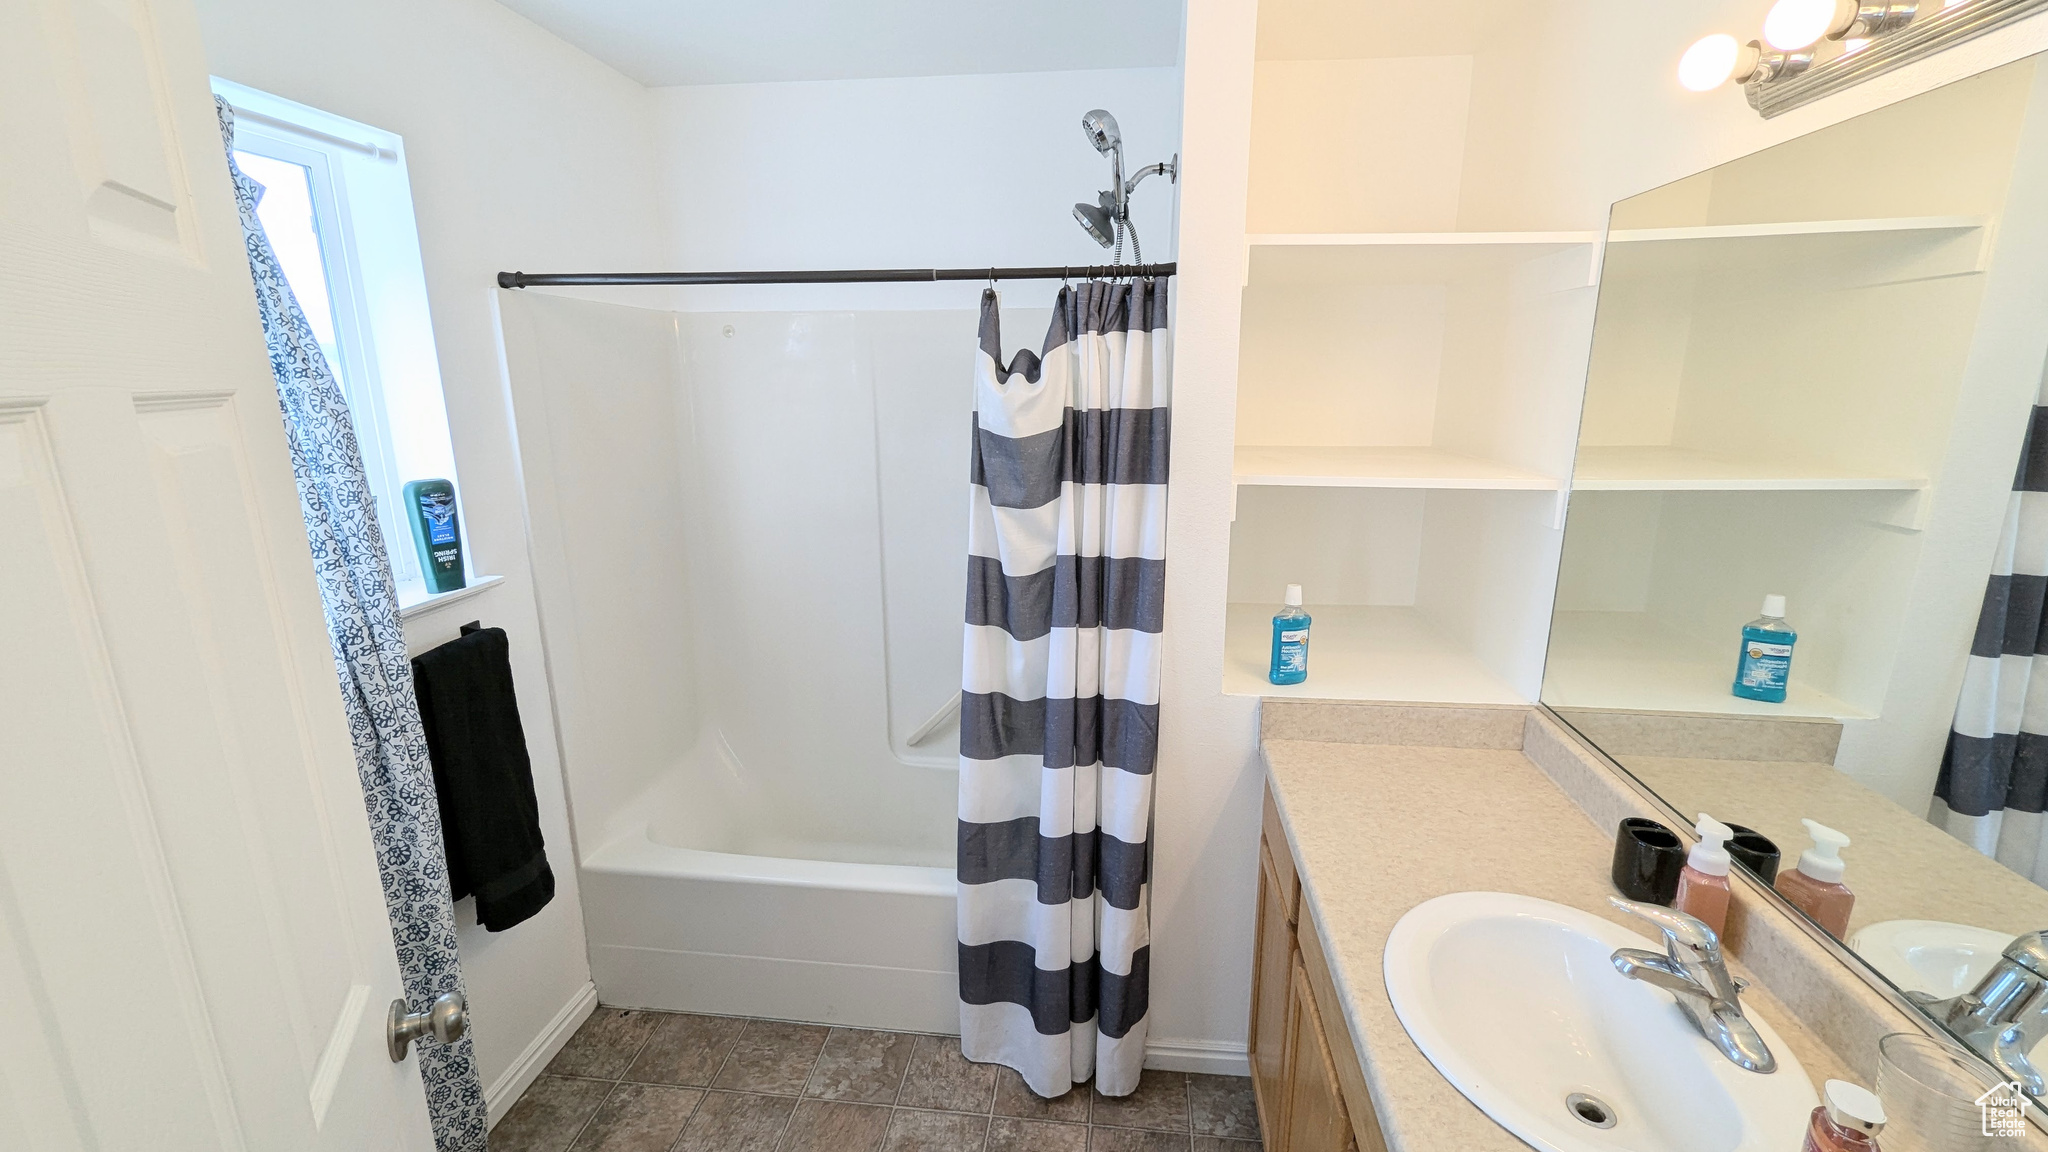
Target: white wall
{"type": "Point", "coordinates": [943, 171]}
{"type": "Point", "coordinates": [1579, 107]}
{"type": "Point", "coordinates": [1205, 868]}
{"type": "Point", "coordinates": [523, 153]}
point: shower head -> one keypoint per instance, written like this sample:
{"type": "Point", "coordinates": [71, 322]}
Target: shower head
{"type": "Point", "coordinates": [1102, 131]}
{"type": "Point", "coordinates": [1099, 220]}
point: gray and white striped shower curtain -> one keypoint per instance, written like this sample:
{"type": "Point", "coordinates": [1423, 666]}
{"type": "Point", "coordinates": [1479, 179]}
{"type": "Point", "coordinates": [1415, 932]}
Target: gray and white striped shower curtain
{"type": "Point", "coordinates": [1059, 712]}
{"type": "Point", "coordinates": [1993, 785]}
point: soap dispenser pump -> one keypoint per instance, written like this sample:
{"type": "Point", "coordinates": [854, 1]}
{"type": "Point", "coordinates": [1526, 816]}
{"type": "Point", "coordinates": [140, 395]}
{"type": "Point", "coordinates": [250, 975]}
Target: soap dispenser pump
{"type": "Point", "coordinates": [1703, 886]}
{"type": "Point", "coordinates": [1816, 887]}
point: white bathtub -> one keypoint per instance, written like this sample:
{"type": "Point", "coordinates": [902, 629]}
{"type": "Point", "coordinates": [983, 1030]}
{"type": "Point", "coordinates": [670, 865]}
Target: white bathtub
{"type": "Point", "coordinates": [749, 541]}
{"type": "Point", "coordinates": [722, 902]}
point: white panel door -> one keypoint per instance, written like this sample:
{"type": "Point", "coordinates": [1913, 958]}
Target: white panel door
{"type": "Point", "coordinates": [194, 952]}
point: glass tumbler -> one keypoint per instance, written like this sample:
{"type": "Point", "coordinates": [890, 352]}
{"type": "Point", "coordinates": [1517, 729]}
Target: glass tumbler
{"type": "Point", "coordinates": [1930, 1090]}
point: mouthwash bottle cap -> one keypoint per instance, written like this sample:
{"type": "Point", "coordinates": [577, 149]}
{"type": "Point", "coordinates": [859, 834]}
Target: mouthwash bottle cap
{"type": "Point", "coordinates": [1710, 855]}
{"type": "Point", "coordinates": [1774, 606]}
{"type": "Point", "coordinates": [1823, 861]}
{"type": "Point", "coordinates": [1293, 599]}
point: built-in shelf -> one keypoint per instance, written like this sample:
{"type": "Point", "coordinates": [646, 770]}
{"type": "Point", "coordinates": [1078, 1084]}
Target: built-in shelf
{"type": "Point", "coordinates": [1400, 257]}
{"type": "Point", "coordinates": [1844, 253]}
{"type": "Point", "coordinates": [1416, 467]}
{"type": "Point", "coordinates": [1631, 661]}
{"type": "Point", "coordinates": [415, 600]}
{"type": "Point", "coordinates": [1662, 468]}
{"type": "Point", "coordinates": [1879, 230]}
{"type": "Point", "coordinates": [1360, 653]}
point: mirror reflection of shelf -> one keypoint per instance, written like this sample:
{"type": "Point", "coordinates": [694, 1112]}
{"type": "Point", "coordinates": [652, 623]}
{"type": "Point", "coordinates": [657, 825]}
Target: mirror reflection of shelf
{"type": "Point", "coordinates": [1401, 257]}
{"type": "Point", "coordinates": [1360, 652]}
{"type": "Point", "coordinates": [1631, 661]}
{"type": "Point", "coordinates": [1663, 468]}
{"type": "Point", "coordinates": [1892, 229]}
{"type": "Point", "coordinates": [1387, 467]}
{"type": "Point", "coordinates": [1842, 252]}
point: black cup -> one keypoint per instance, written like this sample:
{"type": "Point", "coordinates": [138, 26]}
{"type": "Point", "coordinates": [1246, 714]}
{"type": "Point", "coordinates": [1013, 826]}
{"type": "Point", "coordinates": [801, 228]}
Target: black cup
{"type": "Point", "coordinates": [1754, 851]}
{"type": "Point", "coordinates": [1647, 860]}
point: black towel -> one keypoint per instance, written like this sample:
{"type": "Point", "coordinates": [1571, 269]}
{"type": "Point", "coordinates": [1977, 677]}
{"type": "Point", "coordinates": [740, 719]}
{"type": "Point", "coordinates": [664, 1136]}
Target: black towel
{"type": "Point", "coordinates": [489, 819]}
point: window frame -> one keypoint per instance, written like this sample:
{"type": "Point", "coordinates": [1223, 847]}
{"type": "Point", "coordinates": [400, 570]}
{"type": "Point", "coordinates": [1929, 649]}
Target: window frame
{"type": "Point", "coordinates": [389, 368]}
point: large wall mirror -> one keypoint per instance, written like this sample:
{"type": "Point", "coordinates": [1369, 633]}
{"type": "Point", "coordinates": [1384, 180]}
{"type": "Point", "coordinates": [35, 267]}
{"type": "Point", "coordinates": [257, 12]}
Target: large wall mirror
{"type": "Point", "coordinates": [1814, 375]}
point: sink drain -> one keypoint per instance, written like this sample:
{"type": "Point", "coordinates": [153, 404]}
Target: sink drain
{"type": "Point", "coordinates": [1590, 1109]}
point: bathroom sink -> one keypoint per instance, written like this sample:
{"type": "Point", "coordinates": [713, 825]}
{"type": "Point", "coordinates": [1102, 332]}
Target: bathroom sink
{"type": "Point", "coordinates": [1932, 956]}
{"type": "Point", "coordinates": [1516, 1002]}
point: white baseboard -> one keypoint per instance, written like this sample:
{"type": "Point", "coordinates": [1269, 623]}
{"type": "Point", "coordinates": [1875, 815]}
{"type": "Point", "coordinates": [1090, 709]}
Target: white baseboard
{"type": "Point", "coordinates": [506, 1090]}
{"type": "Point", "coordinates": [1214, 1057]}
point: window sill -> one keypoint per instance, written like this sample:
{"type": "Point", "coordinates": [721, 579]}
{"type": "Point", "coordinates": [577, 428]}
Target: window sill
{"type": "Point", "coordinates": [414, 600]}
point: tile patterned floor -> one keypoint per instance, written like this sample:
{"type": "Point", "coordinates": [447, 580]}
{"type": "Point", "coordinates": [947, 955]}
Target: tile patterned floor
{"type": "Point", "coordinates": [632, 1081]}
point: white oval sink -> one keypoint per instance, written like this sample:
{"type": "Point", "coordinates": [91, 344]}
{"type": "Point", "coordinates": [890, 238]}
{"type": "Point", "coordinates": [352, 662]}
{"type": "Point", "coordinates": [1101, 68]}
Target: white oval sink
{"type": "Point", "coordinates": [1936, 957]}
{"type": "Point", "coordinates": [1516, 1002]}
{"type": "Point", "coordinates": [1932, 956]}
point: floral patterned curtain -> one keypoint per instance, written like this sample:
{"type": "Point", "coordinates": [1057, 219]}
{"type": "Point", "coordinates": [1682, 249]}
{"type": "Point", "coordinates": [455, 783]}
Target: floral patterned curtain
{"type": "Point", "coordinates": [376, 677]}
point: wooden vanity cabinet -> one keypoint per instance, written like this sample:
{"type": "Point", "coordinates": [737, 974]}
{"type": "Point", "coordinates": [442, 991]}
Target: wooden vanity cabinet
{"type": "Point", "coordinates": [1305, 1074]}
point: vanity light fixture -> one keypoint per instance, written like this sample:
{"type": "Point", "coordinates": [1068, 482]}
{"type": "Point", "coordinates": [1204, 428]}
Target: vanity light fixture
{"type": "Point", "coordinates": [1795, 24]}
{"type": "Point", "coordinates": [1715, 60]}
{"type": "Point", "coordinates": [1814, 48]}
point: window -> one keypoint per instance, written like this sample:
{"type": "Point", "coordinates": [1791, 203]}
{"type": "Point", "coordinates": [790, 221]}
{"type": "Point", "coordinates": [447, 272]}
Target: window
{"type": "Point", "coordinates": [337, 207]}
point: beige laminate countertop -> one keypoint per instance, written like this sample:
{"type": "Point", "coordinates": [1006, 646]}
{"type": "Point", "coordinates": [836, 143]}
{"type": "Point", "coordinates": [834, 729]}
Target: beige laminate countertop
{"type": "Point", "coordinates": [1376, 830]}
{"type": "Point", "coordinates": [1900, 866]}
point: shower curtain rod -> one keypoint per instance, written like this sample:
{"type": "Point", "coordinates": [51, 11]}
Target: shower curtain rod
{"type": "Point", "coordinates": [833, 275]}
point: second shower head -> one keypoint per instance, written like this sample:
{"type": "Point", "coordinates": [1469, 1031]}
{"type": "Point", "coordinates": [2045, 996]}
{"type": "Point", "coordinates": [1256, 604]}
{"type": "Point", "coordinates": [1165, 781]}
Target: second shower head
{"type": "Point", "coordinates": [1102, 131]}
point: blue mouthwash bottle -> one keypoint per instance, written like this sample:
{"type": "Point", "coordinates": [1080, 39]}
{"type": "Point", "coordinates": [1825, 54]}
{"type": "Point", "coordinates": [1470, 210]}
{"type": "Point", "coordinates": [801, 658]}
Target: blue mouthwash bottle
{"type": "Point", "coordinates": [1290, 641]}
{"type": "Point", "coordinates": [1764, 666]}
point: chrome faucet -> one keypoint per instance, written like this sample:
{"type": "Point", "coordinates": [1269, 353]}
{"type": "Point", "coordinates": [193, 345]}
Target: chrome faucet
{"type": "Point", "coordinates": [2006, 1014]}
{"type": "Point", "coordinates": [1691, 969]}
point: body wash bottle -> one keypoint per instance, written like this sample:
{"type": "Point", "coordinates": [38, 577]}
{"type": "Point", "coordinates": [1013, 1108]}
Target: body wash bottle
{"type": "Point", "coordinates": [1703, 886]}
{"type": "Point", "coordinates": [1290, 641]}
{"type": "Point", "coordinates": [1764, 666]}
{"type": "Point", "coordinates": [1816, 887]}
{"type": "Point", "coordinates": [430, 505]}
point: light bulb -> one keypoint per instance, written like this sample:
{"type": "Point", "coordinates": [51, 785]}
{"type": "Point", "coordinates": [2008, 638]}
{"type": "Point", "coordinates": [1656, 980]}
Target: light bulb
{"type": "Point", "coordinates": [1709, 62]}
{"type": "Point", "coordinates": [1796, 24]}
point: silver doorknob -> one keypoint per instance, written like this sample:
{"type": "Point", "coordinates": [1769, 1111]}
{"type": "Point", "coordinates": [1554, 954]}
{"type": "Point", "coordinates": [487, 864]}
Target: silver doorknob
{"type": "Point", "coordinates": [445, 1021]}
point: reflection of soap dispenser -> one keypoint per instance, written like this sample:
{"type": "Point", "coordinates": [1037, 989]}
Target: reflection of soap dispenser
{"type": "Point", "coordinates": [1816, 887]}
{"type": "Point", "coordinates": [430, 505]}
{"type": "Point", "coordinates": [1703, 886]}
{"type": "Point", "coordinates": [1290, 641]}
{"type": "Point", "coordinates": [1764, 666]}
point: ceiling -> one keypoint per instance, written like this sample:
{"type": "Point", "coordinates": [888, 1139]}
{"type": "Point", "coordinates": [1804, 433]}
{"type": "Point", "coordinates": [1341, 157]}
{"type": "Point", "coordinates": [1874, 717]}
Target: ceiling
{"type": "Point", "coordinates": [663, 42]}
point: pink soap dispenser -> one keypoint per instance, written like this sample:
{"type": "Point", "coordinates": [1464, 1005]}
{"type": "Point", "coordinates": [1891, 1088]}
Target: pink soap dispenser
{"type": "Point", "coordinates": [1703, 885]}
{"type": "Point", "coordinates": [1815, 887]}
{"type": "Point", "coordinates": [1848, 1120]}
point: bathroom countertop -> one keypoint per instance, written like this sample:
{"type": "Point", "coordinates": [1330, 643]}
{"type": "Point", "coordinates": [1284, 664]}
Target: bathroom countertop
{"type": "Point", "coordinates": [1375, 830]}
{"type": "Point", "coordinates": [1900, 866]}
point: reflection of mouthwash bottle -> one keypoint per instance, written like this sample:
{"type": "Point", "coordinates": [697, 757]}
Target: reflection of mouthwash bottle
{"type": "Point", "coordinates": [1764, 666]}
{"type": "Point", "coordinates": [1290, 641]}
{"type": "Point", "coordinates": [430, 505]}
